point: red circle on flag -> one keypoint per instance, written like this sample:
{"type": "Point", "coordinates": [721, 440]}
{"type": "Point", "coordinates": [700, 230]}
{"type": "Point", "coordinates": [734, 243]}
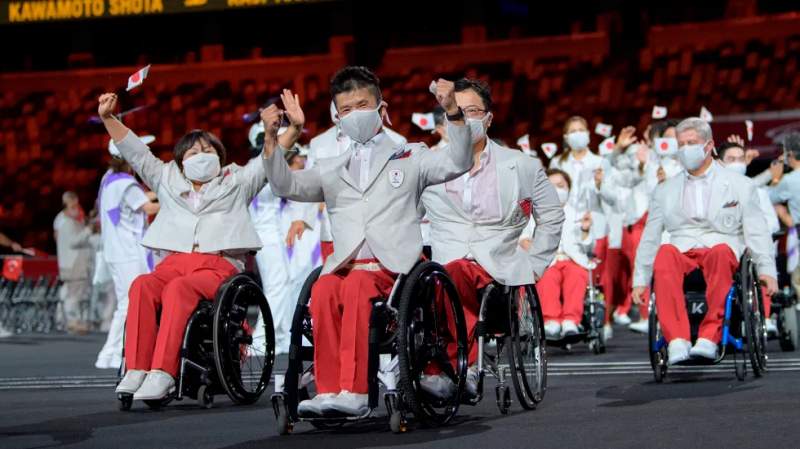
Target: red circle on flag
{"type": "Point", "coordinates": [664, 145]}
{"type": "Point", "coordinates": [609, 145]}
{"type": "Point", "coordinates": [135, 77]}
{"type": "Point", "coordinates": [423, 121]}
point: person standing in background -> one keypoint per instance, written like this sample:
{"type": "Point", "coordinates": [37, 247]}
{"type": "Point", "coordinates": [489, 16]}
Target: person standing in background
{"type": "Point", "coordinates": [74, 261]}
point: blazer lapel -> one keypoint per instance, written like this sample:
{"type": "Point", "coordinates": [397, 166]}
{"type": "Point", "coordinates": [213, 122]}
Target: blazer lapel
{"type": "Point", "coordinates": [719, 190]}
{"type": "Point", "coordinates": [507, 184]}
{"type": "Point", "coordinates": [380, 157]}
{"type": "Point", "coordinates": [344, 173]}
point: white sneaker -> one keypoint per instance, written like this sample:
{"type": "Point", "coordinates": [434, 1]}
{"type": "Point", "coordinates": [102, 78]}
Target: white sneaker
{"type": "Point", "coordinates": [131, 381]}
{"type": "Point", "coordinates": [353, 404]}
{"type": "Point", "coordinates": [568, 328]}
{"type": "Point", "coordinates": [622, 320]}
{"type": "Point", "coordinates": [678, 351]}
{"type": "Point", "coordinates": [552, 329]}
{"type": "Point", "coordinates": [472, 381]}
{"type": "Point", "coordinates": [313, 406]}
{"type": "Point", "coordinates": [641, 327]}
{"type": "Point", "coordinates": [704, 348]}
{"type": "Point", "coordinates": [157, 385]}
{"type": "Point", "coordinates": [437, 385]}
{"type": "Point", "coordinates": [772, 328]}
{"type": "Point", "coordinates": [608, 332]}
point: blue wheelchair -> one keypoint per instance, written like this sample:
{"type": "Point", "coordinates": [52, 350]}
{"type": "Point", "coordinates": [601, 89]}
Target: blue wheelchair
{"type": "Point", "coordinates": [744, 334]}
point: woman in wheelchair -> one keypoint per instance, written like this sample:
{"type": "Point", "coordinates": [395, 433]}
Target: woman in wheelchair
{"type": "Point", "coordinates": [563, 286]}
{"type": "Point", "coordinates": [203, 227]}
{"type": "Point", "coordinates": [712, 215]}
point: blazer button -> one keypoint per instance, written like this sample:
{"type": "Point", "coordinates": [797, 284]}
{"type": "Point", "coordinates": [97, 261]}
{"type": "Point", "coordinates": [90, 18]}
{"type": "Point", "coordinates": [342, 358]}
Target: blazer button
{"type": "Point", "coordinates": [366, 200]}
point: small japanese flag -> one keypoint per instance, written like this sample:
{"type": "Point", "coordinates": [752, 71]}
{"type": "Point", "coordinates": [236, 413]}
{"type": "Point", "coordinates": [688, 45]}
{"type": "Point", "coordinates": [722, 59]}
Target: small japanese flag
{"type": "Point", "coordinates": [524, 143]}
{"type": "Point", "coordinates": [424, 121]}
{"type": "Point", "coordinates": [603, 129]}
{"type": "Point", "coordinates": [705, 114]}
{"type": "Point", "coordinates": [666, 146]}
{"type": "Point", "coordinates": [749, 125]}
{"type": "Point", "coordinates": [606, 146]}
{"type": "Point", "coordinates": [549, 149]}
{"type": "Point", "coordinates": [137, 78]}
{"type": "Point", "coordinates": [659, 111]}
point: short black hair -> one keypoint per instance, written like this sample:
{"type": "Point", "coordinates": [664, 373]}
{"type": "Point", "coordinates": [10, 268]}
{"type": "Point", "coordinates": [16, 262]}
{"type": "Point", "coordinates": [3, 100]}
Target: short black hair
{"type": "Point", "coordinates": [479, 87]}
{"type": "Point", "coordinates": [194, 136]}
{"type": "Point", "coordinates": [725, 146]}
{"type": "Point", "coordinates": [353, 77]}
{"type": "Point", "coordinates": [658, 128]}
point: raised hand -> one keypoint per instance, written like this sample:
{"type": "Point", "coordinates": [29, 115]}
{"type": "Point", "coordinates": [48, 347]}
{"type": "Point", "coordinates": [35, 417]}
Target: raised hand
{"type": "Point", "coordinates": [736, 140]}
{"type": "Point", "coordinates": [271, 117]}
{"type": "Point", "coordinates": [293, 110]}
{"type": "Point", "coordinates": [107, 104]}
{"type": "Point", "coordinates": [446, 95]}
{"type": "Point", "coordinates": [626, 138]}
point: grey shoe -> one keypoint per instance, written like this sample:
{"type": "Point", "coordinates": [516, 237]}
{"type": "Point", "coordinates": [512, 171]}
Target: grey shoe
{"type": "Point", "coordinates": [313, 406]}
{"type": "Point", "coordinates": [353, 404]}
{"type": "Point", "coordinates": [472, 381]}
{"type": "Point", "coordinates": [437, 385]}
{"type": "Point", "coordinates": [131, 381]}
{"type": "Point", "coordinates": [157, 385]}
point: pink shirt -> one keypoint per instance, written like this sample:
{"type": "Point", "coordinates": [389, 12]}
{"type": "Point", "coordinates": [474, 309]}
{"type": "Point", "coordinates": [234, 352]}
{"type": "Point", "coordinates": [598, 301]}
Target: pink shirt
{"type": "Point", "coordinates": [476, 191]}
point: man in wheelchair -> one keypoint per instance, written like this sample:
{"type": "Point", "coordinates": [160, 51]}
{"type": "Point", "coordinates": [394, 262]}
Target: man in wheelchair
{"type": "Point", "coordinates": [372, 193]}
{"type": "Point", "coordinates": [477, 219]}
{"type": "Point", "coordinates": [712, 215]}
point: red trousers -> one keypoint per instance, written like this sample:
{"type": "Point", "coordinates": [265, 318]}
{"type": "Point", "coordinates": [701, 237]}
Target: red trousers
{"type": "Point", "coordinates": [175, 288]}
{"type": "Point", "coordinates": [631, 236]}
{"type": "Point", "coordinates": [615, 283]}
{"type": "Point", "coordinates": [468, 277]}
{"type": "Point", "coordinates": [341, 305]}
{"type": "Point", "coordinates": [671, 266]}
{"type": "Point", "coordinates": [566, 280]}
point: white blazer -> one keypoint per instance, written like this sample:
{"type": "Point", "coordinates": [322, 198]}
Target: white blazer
{"type": "Point", "coordinates": [385, 214]}
{"type": "Point", "coordinates": [735, 219]}
{"type": "Point", "coordinates": [494, 245]}
{"type": "Point", "coordinates": [221, 223]}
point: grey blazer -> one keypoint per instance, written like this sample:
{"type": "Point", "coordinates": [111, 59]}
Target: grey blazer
{"type": "Point", "coordinates": [494, 245]}
{"type": "Point", "coordinates": [221, 223]}
{"type": "Point", "coordinates": [735, 220]}
{"type": "Point", "coordinates": [385, 213]}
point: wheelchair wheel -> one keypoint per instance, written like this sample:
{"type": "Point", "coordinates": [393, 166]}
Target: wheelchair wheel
{"type": "Point", "coordinates": [243, 368]}
{"type": "Point", "coordinates": [788, 328]}
{"type": "Point", "coordinates": [656, 347]}
{"type": "Point", "coordinates": [753, 317]}
{"type": "Point", "coordinates": [526, 344]}
{"type": "Point", "coordinates": [298, 354]}
{"type": "Point", "coordinates": [429, 309]}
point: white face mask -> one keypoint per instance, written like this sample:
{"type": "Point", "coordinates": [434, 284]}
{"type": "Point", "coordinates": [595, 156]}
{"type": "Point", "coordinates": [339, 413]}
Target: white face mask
{"type": "Point", "coordinates": [578, 140]}
{"type": "Point", "coordinates": [362, 125]}
{"type": "Point", "coordinates": [477, 127]}
{"type": "Point", "coordinates": [738, 167]}
{"type": "Point", "coordinates": [202, 167]}
{"type": "Point", "coordinates": [692, 156]}
{"type": "Point", "coordinates": [563, 195]}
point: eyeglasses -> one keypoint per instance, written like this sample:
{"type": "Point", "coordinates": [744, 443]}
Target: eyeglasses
{"type": "Point", "coordinates": [474, 112]}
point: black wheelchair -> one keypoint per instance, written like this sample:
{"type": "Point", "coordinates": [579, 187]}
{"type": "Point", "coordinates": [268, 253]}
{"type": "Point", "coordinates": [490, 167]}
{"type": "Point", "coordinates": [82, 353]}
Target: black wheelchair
{"type": "Point", "coordinates": [784, 303]}
{"type": "Point", "coordinates": [219, 353]}
{"type": "Point", "coordinates": [408, 332]}
{"type": "Point", "coordinates": [510, 322]}
{"type": "Point", "coordinates": [590, 329]}
{"type": "Point", "coordinates": [744, 334]}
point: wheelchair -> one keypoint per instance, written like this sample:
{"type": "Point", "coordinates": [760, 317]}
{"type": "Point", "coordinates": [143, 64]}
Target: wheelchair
{"type": "Point", "coordinates": [744, 334]}
{"type": "Point", "coordinates": [408, 332]}
{"type": "Point", "coordinates": [784, 304]}
{"type": "Point", "coordinates": [590, 329]}
{"type": "Point", "coordinates": [511, 318]}
{"type": "Point", "coordinates": [219, 353]}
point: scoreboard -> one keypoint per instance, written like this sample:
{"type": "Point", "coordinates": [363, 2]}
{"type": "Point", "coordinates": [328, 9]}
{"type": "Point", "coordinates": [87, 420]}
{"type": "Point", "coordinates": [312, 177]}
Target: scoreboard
{"type": "Point", "coordinates": [37, 11]}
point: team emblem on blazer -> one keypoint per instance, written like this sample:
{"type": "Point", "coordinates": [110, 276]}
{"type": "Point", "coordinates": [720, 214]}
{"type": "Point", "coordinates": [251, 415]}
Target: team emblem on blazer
{"type": "Point", "coordinates": [395, 178]}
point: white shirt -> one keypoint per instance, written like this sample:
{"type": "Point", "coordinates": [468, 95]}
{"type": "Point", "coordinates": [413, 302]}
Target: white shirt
{"type": "Point", "coordinates": [697, 194]}
{"type": "Point", "coordinates": [359, 166]}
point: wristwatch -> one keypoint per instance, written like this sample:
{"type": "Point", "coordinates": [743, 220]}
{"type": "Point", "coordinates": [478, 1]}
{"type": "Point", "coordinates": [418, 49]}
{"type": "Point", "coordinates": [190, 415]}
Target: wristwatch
{"type": "Point", "coordinates": [457, 116]}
